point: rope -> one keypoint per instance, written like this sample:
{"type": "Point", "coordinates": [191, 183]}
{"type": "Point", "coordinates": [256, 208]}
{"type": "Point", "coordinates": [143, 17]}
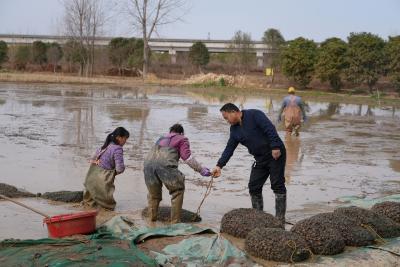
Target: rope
{"type": "Point", "coordinates": [208, 191]}
{"type": "Point", "coordinates": [383, 249]}
{"type": "Point", "coordinates": [292, 244]}
{"type": "Point", "coordinates": [371, 230]}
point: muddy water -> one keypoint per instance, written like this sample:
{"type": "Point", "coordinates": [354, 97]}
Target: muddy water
{"type": "Point", "coordinates": [47, 133]}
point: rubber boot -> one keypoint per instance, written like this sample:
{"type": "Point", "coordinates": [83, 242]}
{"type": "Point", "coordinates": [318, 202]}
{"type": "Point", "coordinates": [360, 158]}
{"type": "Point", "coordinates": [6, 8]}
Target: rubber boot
{"type": "Point", "coordinates": [257, 202]}
{"type": "Point", "coordinates": [176, 206]}
{"type": "Point", "coordinates": [153, 209]}
{"type": "Point", "coordinates": [280, 208]}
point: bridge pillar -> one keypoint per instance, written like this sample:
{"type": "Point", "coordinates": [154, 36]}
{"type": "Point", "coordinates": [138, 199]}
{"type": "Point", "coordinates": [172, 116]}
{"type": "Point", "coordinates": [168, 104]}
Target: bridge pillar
{"type": "Point", "coordinates": [260, 59]}
{"type": "Point", "coordinates": [172, 54]}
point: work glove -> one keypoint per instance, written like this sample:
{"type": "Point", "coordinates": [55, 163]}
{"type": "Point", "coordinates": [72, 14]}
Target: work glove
{"type": "Point", "coordinates": [205, 171]}
{"type": "Point", "coordinates": [305, 119]}
{"type": "Point", "coordinates": [279, 119]}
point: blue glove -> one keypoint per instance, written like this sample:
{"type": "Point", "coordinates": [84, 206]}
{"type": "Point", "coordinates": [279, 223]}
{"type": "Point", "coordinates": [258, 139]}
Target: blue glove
{"type": "Point", "coordinates": [279, 119]}
{"type": "Point", "coordinates": [305, 119]}
{"type": "Point", "coordinates": [205, 171]}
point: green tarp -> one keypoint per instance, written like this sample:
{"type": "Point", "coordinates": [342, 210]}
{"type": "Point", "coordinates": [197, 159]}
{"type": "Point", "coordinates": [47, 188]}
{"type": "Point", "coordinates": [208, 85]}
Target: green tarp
{"type": "Point", "coordinates": [367, 203]}
{"type": "Point", "coordinates": [192, 251]}
{"type": "Point", "coordinates": [201, 251]}
{"type": "Point", "coordinates": [101, 249]}
{"type": "Point", "coordinates": [114, 244]}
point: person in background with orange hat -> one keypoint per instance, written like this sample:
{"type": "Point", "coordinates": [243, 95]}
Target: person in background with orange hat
{"type": "Point", "coordinates": [293, 112]}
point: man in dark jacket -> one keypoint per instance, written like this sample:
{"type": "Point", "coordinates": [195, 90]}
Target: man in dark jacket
{"type": "Point", "coordinates": [255, 131]}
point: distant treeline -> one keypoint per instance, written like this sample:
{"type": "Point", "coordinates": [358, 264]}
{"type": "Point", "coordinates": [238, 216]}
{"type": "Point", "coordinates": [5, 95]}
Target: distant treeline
{"type": "Point", "coordinates": [362, 59]}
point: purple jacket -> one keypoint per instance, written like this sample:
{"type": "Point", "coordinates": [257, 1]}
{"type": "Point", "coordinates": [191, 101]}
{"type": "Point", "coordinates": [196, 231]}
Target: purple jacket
{"type": "Point", "coordinates": [179, 142]}
{"type": "Point", "coordinates": [112, 158]}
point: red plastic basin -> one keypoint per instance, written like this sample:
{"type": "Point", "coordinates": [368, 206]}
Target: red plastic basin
{"type": "Point", "coordinates": [71, 224]}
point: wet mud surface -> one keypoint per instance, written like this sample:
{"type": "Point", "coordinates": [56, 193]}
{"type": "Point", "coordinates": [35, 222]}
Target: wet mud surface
{"type": "Point", "coordinates": [48, 133]}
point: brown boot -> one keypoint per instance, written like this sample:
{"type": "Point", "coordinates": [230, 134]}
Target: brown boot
{"type": "Point", "coordinates": [176, 206]}
{"type": "Point", "coordinates": [153, 209]}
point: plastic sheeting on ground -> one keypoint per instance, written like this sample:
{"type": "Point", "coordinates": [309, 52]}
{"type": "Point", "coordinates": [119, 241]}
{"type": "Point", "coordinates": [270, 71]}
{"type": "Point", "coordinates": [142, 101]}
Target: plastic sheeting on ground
{"type": "Point", "coordinates": [125, 228]}
{"type": "Point", "coordinates": [367, 203]}
{"type": "Point", "coordinates": [201, 251]}
{"type": "Point", "coordinates": [101, 249]}
{"type": "Point", "coordinates": [192, 251]}
{"type": "Point", "coordinates": [387, 254]}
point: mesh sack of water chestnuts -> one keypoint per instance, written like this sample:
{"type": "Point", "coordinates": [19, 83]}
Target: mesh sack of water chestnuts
{"type": "Point", "coordinates": [277, 245]}
{"type": "Point", "coordinates": [352, 232]}
{"type": "Point", "coordinates": [164, 215]}
{"type": "Point", "coordinates": [377, 224]}
{"type": "Point", "coordinates": [389, 209]}
{"type": "Point", "coordinates": [320, 237]}
{"type": "Point", "coordinates": [239, 222]}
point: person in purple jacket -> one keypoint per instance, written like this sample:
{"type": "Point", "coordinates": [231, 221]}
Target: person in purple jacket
{"type": "Point", "coordinates": [161, 167]}
{"type": "Point", "coordinates": [106, 163]}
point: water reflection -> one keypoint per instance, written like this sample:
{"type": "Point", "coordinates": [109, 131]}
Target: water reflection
{"type": "Point", "coordinates": [196, 111]}
{"type": "Point", "coordinates": [79, 130]}
{"type": "Point", "coordinates": [293, 156]}
{"type": "Point", "coordinates": [131, 114]}
{"type": "Point", "coordinates": [395, 165]}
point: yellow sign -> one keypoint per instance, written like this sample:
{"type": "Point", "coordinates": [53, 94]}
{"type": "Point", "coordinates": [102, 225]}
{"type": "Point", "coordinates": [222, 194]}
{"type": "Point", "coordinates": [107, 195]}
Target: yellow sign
{"type": "Point", "coordinates": [269, 72]}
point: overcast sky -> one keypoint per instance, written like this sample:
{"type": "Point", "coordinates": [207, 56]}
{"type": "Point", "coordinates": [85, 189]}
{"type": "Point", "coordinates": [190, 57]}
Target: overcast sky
{"type": "Point", "coordinates": [313, 19]}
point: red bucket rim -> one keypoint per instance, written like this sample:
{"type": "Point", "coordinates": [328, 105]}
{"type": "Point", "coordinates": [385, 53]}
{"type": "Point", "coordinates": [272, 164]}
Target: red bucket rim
{"type": "Point", "coordinates": [70, 216]}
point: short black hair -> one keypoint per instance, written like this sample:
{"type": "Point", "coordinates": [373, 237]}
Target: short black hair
{"type": "Point", "coordinates": [176, 128]}
{"type": "Point", "coordinates": [229, 107]}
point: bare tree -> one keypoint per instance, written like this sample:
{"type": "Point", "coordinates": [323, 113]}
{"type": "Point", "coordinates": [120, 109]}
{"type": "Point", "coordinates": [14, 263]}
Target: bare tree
{"type": "Point", "coordinates": [243, 48]}
{"type": "Point", "coordinates": [83, 21]}
{"type": "Point", "coordinates": [54, 55]}
{"type": "Point", "coordinates": [148, 15]}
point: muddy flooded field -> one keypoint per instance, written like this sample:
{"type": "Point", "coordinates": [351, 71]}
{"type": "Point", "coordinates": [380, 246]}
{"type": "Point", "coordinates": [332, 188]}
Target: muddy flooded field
{"type": "Point", "coordinates": [48, 132]}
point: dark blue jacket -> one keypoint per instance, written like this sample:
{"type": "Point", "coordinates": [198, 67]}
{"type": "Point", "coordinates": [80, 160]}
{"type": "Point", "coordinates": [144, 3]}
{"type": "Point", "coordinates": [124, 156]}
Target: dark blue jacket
{"type": "Point", "coordinates": [256, 132]}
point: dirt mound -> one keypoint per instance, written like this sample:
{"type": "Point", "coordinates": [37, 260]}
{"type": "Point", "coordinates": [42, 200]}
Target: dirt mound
{"type": "Point", "coordinates": [64, 196]}
{"type": "Point", "coordinates": [353, 234]}
{"type": "Point", "coordinates": [277, 245]}
{"type": "Point", "coordinates": [389, 209]}
{"type": "Point", "coordinates": [164, 215]}
{"type": "Point", "coordinates": [380, 224]}
{"type": "Point", "coordinates": [321, 237]}
{"type": "Point", "coordinates": [216, 79]}
{"type": "Point", "coordinates": [239, 222]}
{"type": "Point", "coordinates": [13, 192]}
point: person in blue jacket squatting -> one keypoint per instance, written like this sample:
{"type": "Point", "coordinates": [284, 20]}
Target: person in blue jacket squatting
{"type": "Point", "coordinates": [255, 131]}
